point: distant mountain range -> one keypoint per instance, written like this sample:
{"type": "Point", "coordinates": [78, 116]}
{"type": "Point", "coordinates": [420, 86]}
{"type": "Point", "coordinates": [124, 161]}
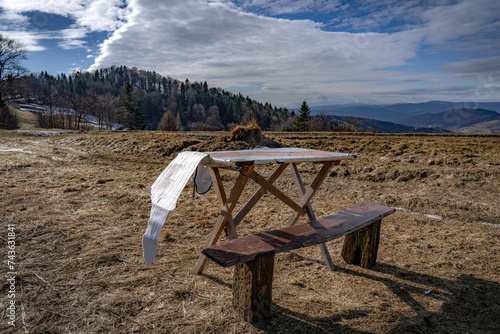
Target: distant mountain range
{"type": "Point", "coordinates": [480, 117]}
{"type": "Point", "coordinates": [453, 119]}
{"type": "Point", "coordinates": [373, 125]}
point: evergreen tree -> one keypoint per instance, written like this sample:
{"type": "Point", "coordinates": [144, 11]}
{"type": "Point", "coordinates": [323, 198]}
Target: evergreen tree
{"type": "Point", "coordinates": [134, 117]}
{"type": "Point", "coordinates": [150, 94]}
{"type": "Point", "coordinates": [303, 118]}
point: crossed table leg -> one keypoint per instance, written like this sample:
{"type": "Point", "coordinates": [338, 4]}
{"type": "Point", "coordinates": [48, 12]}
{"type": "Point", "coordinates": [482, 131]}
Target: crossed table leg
{"type": "Point", "coordinates": [226, 221]}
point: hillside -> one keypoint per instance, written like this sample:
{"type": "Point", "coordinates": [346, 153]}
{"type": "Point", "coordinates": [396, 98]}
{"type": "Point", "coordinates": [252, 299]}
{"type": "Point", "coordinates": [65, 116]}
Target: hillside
{"type": "Point", "coordinates": [429, 114]}
{"type": "Point", "coordinates": [484, 127]}
{"type": "Point", "coordinates": [454, 119]}
{"type": "Point", "coordinates": [139, 99]}
{"type": "Point", "coordinates": [373, 125]}
{"type": "Point", "coordinates": [398, 111]}
{"type": "Point", "coordinates": [28, 120]}
{"type": "Point", "coordinates": [368, 112]}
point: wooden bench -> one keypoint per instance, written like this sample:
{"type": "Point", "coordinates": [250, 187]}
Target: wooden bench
{"type": "Point", "coordinates": [253, 255]}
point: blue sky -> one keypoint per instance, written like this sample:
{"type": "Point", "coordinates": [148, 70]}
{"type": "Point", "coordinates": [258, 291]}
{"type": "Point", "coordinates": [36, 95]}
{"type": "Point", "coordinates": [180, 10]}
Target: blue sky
{"type": "Point", "coordinates": [283, 52]}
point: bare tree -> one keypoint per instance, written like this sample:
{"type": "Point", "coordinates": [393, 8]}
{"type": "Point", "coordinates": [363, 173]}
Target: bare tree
{"type": "Point", "coordinates": [11, 53]}
{"type": "Point", "coordinates": [167, 122]}
{"type": "Point", "coordinates": [178, 122]}
{"type": "Point", "coordinates": [50, 98]}
{"type": "Point", "coordinates": [80, 106]}
{"type": "Point", "coordinates": [199, 113]}
{"type": "Point", "coordinates": [213, 119]}
{"type": "Point", "coordinates": [105, 110]}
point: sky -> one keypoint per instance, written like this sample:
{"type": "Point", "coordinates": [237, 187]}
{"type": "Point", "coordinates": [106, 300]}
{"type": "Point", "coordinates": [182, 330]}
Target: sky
{"type": "Point", "coordinates": [282, 52]}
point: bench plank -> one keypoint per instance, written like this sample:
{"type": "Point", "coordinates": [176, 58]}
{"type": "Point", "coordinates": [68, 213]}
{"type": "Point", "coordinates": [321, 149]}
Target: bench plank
{"type": "Point", "coordinates": [249, 247]}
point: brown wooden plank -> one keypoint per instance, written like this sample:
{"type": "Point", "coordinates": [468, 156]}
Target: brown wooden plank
{"type": "Point", "coordinates": [302, 190]}
{"type": "Point", "coordinates": [337, 225]}
{"type": "Point", "coordinates": [258, 195]}
{"type": "Point", "coordinates": [221, 197]}
{"type": "Point", "coordinates": [268, 156]}
{"type": "Point", "coordinates": [281, 153]}
{"type": "Point", "coordinates": [312, 216]}
{"type": "Point", "coordinates": [311, 191]}
{"type": "Point", "coordinates": [235, 194]}
{"type": "Point", "coordinates": [277, 193]}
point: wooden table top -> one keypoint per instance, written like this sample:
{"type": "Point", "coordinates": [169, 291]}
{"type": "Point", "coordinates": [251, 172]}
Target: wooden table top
{"type": "Point", "coordinates": [266, 156]}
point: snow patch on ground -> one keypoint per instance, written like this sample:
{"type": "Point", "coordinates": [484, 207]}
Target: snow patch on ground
{"type": "Point", "coordinates": [486, 223]}
{"type": "Point", "coordinates": [89, 119]}
{"type": "Point", "coordinates": [439, 217]}
{"type": "Point", "coordinates": [19, 150]}
{"type": "Point", "coordinates": [418, 213]}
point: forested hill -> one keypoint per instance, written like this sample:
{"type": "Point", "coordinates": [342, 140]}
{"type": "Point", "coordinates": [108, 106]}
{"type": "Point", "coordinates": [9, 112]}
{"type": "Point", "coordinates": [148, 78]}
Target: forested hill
{"type": "Point", "coordinates": [194, 105]}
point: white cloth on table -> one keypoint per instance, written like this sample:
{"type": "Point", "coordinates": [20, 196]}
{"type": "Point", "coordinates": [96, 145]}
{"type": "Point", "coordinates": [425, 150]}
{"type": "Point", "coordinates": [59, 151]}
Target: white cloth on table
{"type": "Point", "coordinates": [164, 194]}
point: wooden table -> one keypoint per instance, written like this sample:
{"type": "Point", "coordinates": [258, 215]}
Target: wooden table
{"type": "Point", "coordinates": [244, 163]}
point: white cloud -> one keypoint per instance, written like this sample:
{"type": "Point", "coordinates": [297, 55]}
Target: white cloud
{"type": "Point", "coordinates": [69, 38]}
{"type": "Point", "coordinates": [277, 7]}
{"type": "Point", "coordinates": [102, 15]}
{"type": "Point", "coordinates": [72, 38]}
{"type": "Point", "coordinates": [89, 16]}
{"type": "Point", "coordinates": [213, 42]}
{"type": "Point", "coordinates": [478, 68]}
{"type": "Point", "coordinates": [467, 26]}
{"type": "Point", "coordinates": [375, 15]}
{"type": "Point", "coordinates": [236, 43]}
{"type": "Point", "coordinates": [10, 17]}
{"type": "Point", "coordinates": [58, 7]}
{"type": "Point", "coordinates": [29, 40]}
{"type": "Point", "coordinates": [96, 15]}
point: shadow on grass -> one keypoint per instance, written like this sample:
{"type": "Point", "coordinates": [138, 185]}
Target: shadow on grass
{"type": "Point", "coordinates": [216, 280]}
{"type": "Point", "coordinates": [282, 320]}
{"type": "Point", "coordinates": [470, 305]}
{"type": "Point", "coordinates": [286, 321]}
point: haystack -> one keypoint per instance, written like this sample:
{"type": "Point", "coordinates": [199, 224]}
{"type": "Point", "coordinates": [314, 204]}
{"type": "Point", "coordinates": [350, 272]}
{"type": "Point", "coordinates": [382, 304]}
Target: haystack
{"type": "Point", "coordinates": [243, 137]}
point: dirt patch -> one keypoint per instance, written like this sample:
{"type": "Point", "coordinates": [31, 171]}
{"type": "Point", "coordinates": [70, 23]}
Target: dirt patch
{"type": "Point", "coordinates": [79, 220]}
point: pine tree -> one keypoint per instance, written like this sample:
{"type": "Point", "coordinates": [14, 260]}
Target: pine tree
{"type": "Point", "coordinates": [134, 117]}
{"type": "Point", "coordinates": [303, 118]}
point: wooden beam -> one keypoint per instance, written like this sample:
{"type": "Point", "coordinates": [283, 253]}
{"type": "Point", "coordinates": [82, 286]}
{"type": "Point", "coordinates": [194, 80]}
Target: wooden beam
{"type": "Point", "coordinates": [235, 194]}
{"type": "Point", "coordinates": [302, 190]}
{"type": "Point", "coordinates": [311, 191]}
{"type": "Point", "coordinates": [310, 213]}
{"type": "Point", "coordinates": [278, 193]}
{"type": "Point", "coordinates": [221, 196]}
{"type": "Point", "coordinates": [258, 195]}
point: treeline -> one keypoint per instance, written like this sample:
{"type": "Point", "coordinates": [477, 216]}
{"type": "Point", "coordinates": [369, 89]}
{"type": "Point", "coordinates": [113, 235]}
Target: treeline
{"type": "Point", "coordinates": [139, 99]}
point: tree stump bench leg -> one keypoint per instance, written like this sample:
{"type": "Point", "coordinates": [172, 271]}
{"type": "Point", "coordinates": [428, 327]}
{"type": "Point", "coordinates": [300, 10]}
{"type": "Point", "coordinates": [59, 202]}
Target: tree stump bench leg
{"type": "Point", "coordinates": [252, 289]}
{"type": "Point", "coordinates": [361, 246]}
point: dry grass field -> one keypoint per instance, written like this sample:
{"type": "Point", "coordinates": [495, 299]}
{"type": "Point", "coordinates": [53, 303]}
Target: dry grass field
{"type": "Point", "coordinates": [80, 204]}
